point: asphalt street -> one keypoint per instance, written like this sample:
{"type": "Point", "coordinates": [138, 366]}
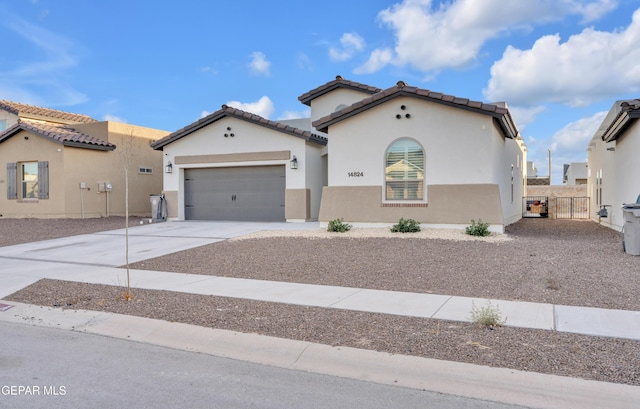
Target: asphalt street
{"type": "Point", "coordinates": [51, 368]}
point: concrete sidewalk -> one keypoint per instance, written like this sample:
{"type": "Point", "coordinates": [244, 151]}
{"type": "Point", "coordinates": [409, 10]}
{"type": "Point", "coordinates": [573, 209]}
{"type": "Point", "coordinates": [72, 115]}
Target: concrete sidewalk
{"type": "Point", "coordinates": [581, 320]}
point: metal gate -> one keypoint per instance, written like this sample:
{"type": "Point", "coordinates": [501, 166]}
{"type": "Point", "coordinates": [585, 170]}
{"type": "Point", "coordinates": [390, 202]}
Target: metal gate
{"type": "Point", "coordinates": [535, 206]}
{"type": "Point", "coordinates": [572, 208]}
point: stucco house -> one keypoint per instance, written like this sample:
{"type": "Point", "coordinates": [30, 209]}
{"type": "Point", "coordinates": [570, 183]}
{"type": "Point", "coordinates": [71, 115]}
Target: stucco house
{"type": "Point", "coordinates": [614, 163]}
{"type": "Point", "coordinates": [413, 153]}
{"type": "Point", "coordinates": [575, 173]}
{"type": "Point", "coordinates": [56, 164]}
{"type": "Point", "coordinates": [234, 165]}
{"type": "Point", "coordinates": [366, 155]}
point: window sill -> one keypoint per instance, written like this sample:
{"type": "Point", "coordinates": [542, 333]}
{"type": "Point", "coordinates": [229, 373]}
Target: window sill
{"type": "Point", "coordinates": [28, 200]}
{"type": "Point", "coordinates": [400, 204]}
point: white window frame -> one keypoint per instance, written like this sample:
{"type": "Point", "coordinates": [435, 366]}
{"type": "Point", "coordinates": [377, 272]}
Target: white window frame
{"type": "Point", "coordinates": [404, 183]}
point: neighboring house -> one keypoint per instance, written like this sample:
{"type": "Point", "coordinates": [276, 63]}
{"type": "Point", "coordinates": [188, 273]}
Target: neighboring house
{"type": "Point", "coordinates": [575, 173]}
{"type": "Point", "coordinates": [400, 152]}
{"type": "Point", "coordinates": [56, 164]}
{"type": "Point", "coordinates": [614, 163]}
{"type": "Point", "coordinates": [532, 177]}
{"type": "Point", "coordinates": [234, 165]}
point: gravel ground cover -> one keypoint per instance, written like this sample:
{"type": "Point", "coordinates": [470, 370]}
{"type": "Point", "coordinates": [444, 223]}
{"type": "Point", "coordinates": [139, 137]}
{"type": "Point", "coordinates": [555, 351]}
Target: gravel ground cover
{"type": "Point", "coordinates": [18, 231]}
{"type": "Point", "coordinates": [550, 261]}
{"type": "Point", "coordinates": [564, 262]}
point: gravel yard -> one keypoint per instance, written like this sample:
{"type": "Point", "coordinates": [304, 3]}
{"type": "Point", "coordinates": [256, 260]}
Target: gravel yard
{"type": "Point", "coordinates": [556, 261]}
{"type": "Point", "coordinates": [17, 231]}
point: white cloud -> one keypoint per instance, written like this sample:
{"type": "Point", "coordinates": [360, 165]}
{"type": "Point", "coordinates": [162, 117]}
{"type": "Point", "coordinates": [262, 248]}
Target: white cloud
{"type": "Point", "coordinates": [589, 66]}
{"type": "Point", "coordinates": [377, 60]}
{"type": "Point", "coordinates": [43, 81]}
{"type": "Point", "coordinates": [295, 115]}
{"type": "Point", "coordinates": [113, 118]}
{"type": "Point", "coordinates": [523, 116]}
{"type": "Point", "coordinates": [259, 64]}
{"type": "Point", "coordinates": [451, 36]}
{"type": "Point", "coordinates": [263, 107]}
{"type": "Point", "coordinates": [593, 11]}
{"type": "Point", "coordinates": [351, 43]}
{"type": "Point", "coordinates": [575, 136]}
{"type": "Point", "coordinates": [304, 62]}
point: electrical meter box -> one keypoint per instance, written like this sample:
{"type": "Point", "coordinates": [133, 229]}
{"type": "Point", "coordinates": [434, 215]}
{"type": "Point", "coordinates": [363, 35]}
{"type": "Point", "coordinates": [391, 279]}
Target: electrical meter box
{"type": "Point", "coordinates": [104, 186]}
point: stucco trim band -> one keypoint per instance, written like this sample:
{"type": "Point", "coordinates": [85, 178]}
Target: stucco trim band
{"type": "Point", "coordinates": [232, 157]}
{"type": "Point", "coordinates": [448, 204]}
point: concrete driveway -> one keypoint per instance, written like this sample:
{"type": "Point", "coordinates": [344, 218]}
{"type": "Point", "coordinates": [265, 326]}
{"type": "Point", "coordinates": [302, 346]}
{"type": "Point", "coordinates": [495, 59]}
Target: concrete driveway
{"type": "Point", "coordinates": [25, 264]}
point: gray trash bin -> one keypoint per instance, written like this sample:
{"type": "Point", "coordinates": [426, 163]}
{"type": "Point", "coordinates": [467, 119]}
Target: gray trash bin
{"type": "Point", "coordinates": [158, 208]}
{"type": "Point", "coordinates": [631, 228]}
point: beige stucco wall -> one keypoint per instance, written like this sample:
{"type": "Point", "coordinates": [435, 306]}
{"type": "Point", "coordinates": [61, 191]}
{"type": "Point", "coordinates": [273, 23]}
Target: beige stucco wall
{"type": "Point", "coordinates": [11, 119]}
{"type": "Point", "coordinates": [449, 206]}
{"type": "Point", "coordinates": [70, 166]}
{"type": "Point", "coordinates": [552, 192]}
{"type": "Point", "coordinates": [461, 148]}
{"type": "Point", "coordinates": [251, 145]}
{"type": "Point", "coordinates": [297, 205]}
{"type": "Point", "coordinates": [28, 147]}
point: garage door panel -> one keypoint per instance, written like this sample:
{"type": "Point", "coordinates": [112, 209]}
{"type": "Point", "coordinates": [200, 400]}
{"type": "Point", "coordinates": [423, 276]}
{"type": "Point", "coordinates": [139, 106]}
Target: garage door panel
{"type": "Point", "coordinates": [235, 193]}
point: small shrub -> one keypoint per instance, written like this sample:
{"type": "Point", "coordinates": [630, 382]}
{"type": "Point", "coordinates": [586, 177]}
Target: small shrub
{"type": "Point", "coordinates": [487, 316]}
{"type": "Point", "coordinates": [478, 229]}
{"type": "Point", "coordinates": [551, 283]}
{"type": "Point", "coordinates": [339, 226]}
{"type": "Point", "coordinates": [406, 226]}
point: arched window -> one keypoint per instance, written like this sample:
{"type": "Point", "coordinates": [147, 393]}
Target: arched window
{"type": "Point", "coordinates": [404, 171]}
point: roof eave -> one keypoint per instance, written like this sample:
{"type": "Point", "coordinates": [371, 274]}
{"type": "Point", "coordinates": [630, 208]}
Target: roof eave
{"type": "Point", "coordinates": [84, 145]}
{"type": "Point", "coordinates": [503, 118]}
{"type": "Point", "coordinates": [244, 116]}
{"type": "Point", "coordinates": [619, 125]}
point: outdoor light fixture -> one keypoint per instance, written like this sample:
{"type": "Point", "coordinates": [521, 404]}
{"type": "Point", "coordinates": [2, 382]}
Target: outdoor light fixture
{"type": "Point", "coordinates": [294, 162]}
{"type": "Point", "coordinates": [168, 168]}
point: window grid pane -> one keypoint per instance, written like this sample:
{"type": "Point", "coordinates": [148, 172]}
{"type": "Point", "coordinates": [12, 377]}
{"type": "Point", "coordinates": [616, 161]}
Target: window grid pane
{"type": "Point", "coordinates": [29, 180]}
{"type": "Point", "coordinates": [404, 171]}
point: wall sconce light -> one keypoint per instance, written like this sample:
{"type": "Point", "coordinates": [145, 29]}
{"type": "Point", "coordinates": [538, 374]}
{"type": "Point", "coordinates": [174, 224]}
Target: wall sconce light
{"type": "Point", "coordinates": [168, 168]}
{"type": "Point", "coordinates": [611, 149]}
{"type": "Point", "coordinates": [294, 162]}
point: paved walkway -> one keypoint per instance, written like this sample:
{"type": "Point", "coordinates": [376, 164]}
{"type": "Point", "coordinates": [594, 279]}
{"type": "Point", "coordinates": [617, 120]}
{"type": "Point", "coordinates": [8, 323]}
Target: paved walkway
{"type": "Point", "coordinates": [93, 258]}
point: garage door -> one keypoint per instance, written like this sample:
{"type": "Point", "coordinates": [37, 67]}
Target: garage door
{"type": "Point", "coordinates": [236, 193]}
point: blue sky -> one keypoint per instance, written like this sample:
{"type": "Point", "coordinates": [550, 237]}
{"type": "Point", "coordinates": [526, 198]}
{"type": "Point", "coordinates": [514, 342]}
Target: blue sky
{"type": "Point", "coordinates": [559, 64]}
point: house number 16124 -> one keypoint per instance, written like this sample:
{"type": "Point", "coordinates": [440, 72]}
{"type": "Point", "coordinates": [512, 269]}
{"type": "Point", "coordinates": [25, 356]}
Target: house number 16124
{"type": "Point", "coordinates": [355, 174]}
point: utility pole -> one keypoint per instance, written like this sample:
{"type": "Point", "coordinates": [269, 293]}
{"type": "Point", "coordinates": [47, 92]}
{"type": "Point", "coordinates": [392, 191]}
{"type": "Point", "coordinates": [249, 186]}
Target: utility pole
{"type": "Point", "coordinates": [549, 150]}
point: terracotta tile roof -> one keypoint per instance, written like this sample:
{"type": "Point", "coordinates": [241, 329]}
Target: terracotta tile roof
{"type": "Point", "coordinates": [63, 134]}
{"type": "Point", "coordinates": [24, 109]}
{"type": "Point", "coordinates": [339, 82]}
{"type": "Point", "coordinates": [227, 111]}
{"type": "Point", "coordinates": [629, 112]}
{"type": "Point", "coordinates": [501, 114]}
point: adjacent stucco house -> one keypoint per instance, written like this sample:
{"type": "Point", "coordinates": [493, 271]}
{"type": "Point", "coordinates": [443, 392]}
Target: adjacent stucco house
{"type": "Point", "coordinates": [56, 164]}
{"type": "Point", "coordinates": [234, 165]}
{"type": "Point", "coordinates": [575, 173]}
{"type": "Point", "coordinates": [413, 153]}
{"type": "Point", "coordinates": [400, 152]}
{"type": "Point", "coordinates": [614, 163]}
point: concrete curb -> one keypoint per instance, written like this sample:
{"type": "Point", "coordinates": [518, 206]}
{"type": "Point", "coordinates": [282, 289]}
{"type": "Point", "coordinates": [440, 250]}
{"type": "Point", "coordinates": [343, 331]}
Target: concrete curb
{"type": "Point", "coordinates": [494, 384]}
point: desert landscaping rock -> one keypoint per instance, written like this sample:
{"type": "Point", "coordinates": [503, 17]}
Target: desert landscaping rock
{"type": "Point", "coordinates": [552, 261]}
